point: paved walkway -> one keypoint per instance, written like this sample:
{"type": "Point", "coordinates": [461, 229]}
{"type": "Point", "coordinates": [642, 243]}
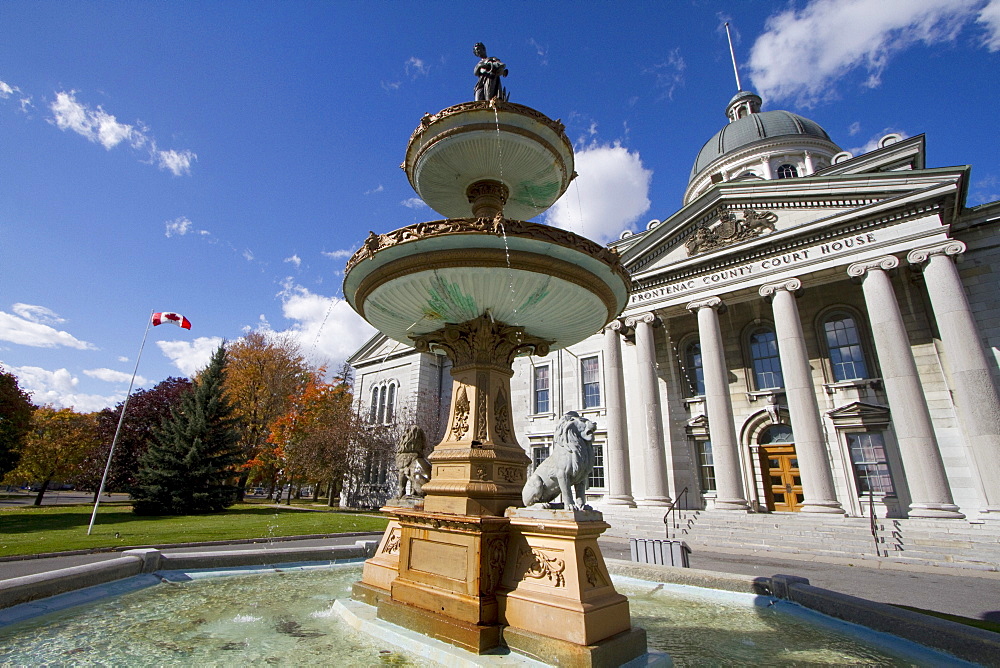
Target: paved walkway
{"type": "Point", "coordinates": [959, 592]}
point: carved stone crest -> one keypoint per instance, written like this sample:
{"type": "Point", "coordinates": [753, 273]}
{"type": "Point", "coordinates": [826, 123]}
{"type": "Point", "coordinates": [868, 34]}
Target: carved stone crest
{"type": "Point", "coordinates": [461, 424]}
{"type": "Point", "coordinates": [595, 578]}
{"type": "Point", "coordinates": [730, 230]}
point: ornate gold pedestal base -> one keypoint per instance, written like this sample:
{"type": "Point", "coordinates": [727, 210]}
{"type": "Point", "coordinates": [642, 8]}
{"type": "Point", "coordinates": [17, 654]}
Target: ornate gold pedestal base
{"type": "Point", "coordinates": [556, 583]}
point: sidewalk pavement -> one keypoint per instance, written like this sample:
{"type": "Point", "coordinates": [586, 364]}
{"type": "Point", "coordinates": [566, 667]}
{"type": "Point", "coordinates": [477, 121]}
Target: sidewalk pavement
{"type": "Point", "coordinates": [967, 593]}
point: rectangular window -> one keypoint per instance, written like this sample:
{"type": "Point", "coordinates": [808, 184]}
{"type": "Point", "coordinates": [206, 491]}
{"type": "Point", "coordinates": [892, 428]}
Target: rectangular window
{"type": "Point", "coordinates": [871, 468]}
{"type": "Point", "coordinates": [538, 455]}
{"type": "Point", "coordinates": [590, 373]}
{"type": "Point", "coordinates": [597, 473]}
{"type": "Point", "coordinates": [541, 389]}
{"type": "Point", "coordinates": [706, 466]}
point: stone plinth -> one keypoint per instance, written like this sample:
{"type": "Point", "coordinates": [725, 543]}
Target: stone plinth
{"type": "Point", "coordinates": [447, 571]}
{"type": "Point", "coordinates": [556, 585]}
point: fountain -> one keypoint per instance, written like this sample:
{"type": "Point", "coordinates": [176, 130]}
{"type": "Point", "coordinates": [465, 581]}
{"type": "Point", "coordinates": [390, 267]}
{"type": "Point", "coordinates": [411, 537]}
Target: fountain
{"type": "Point", "coordinates": [464, 563]}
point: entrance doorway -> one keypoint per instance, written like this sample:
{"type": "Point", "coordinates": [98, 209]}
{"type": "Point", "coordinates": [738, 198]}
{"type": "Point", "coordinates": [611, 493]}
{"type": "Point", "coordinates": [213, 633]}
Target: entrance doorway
{"type": "Point", "coordinates": [779, 466]}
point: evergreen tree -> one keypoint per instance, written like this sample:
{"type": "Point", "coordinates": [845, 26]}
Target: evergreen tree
{"type": "Point", "coordinates": [190, 466]}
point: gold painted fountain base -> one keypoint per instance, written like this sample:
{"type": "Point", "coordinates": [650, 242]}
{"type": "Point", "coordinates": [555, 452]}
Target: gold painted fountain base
{"type": "Point", "coordinates": [471, 568]}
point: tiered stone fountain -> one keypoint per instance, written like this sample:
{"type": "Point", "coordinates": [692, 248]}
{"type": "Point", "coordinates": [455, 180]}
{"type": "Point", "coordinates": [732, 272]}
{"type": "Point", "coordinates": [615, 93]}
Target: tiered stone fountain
{"type": "Point", "coordinates": [465, 564]}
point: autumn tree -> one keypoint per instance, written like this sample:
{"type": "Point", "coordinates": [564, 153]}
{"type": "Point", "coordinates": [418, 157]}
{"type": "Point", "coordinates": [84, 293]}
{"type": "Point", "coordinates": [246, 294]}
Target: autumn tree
{"type": "Point", "coordinates": [146, 411]}
{"type": "Point", "coordinates": [264, 371]}
{"type": "Point", "coordinates": [311, 442]}
{"type": "Point", "coordinates": [15, 420]}
{"type": "Point", "coordinates": [192, 460]}
{"type": "Point", "coordinates": [56, 442]}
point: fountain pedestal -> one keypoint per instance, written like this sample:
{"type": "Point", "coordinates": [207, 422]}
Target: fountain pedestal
{"type": "Point", "coordinates": [482, 291]}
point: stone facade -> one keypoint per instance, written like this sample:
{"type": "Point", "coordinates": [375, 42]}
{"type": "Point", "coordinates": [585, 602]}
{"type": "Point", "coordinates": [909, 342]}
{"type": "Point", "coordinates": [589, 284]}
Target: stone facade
{"type": "Point", "coordinates": [844, 356]}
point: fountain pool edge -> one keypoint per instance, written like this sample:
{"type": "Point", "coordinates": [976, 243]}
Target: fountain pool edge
{"type": "Point", "coordinates": [137, 568]}
{"type": "Point", "coordinates": [965, 642]}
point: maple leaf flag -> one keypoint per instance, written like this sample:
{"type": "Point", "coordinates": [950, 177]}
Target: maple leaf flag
{"type": "Point", "coordinates": [173, 318]}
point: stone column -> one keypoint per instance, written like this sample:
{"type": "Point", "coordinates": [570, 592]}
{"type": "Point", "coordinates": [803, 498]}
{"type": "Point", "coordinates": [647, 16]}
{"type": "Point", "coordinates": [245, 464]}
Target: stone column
{"type": "Point", "coordinates": [617, 471]}
{"type": "Point", "coordinates": [911, 420]}
{"type": "Point", "coordinates": [719, 406]}
{"type": "Point", "coordinates": [800, 392]}
{"type": "Point", "coordinates": [977, 399]}
{"type": "Point", "coordinates": [654, 462]}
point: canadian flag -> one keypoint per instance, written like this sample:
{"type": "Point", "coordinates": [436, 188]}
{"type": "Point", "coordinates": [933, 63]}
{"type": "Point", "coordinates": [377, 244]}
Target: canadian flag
{"type": "Point", "coordinates": [174, 318]}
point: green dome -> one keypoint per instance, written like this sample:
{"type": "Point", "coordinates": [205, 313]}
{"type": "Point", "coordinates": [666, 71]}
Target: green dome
{"type": "Point", "coordinates": [752, 128]}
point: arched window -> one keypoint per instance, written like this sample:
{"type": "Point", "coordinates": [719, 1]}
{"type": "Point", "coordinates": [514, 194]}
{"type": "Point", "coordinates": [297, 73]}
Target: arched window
{"type": "Point", "coordinates": [787, 171]}
{"type": "Point", "coordinates": [373, 408]}
{"type": "Point", "coordinates": [764, 359]}
{"type": "Point", "coordinates": [693, 369]}
{"type": "Point", "coordinates": [847, 357]}
{"type": "Point", "coordinates": [775, 434]}
{"type": "Point", "coordinates": [390, 404]}
{"type": "Point", "coordinates": [381, 404]}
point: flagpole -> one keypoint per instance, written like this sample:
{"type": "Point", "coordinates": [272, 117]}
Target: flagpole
{"type": "Point", "coordinates": [121, 419]}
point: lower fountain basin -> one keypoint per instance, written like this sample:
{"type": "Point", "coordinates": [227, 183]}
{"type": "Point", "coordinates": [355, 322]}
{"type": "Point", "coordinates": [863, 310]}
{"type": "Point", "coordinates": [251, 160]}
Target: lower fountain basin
{"type": "Point", "coordinates": [286, 617]}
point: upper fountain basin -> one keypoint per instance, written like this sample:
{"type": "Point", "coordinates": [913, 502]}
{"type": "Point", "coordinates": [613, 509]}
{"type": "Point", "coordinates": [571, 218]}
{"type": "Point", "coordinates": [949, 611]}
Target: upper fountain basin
{"type": "Point", "coordinates": [489, 141]}
{"type": "Point", "coordinates": [557, 285]}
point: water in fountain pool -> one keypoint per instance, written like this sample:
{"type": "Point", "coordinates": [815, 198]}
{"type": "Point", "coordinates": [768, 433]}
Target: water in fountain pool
{"type": "Point", "coordinates": [285, 618]}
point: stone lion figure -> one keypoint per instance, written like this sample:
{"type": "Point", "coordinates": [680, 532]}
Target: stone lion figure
{"type": "Point", "coordinates": [567, 468]}
{"type": "Point", "coordinates": [410, 462]}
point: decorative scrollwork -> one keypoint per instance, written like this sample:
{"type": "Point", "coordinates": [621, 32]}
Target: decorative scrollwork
{"type": "Point", "coordinates": [496, 558]}
{"type": "Point", "coordinates": [481, 342]}
{"type": "Point", "coordinates": [730, 230]}
{"type": "Point", "coordinates": [429, 119]}
{"type": "Point", "coordinates": [460, 426]}
{"type": "Point", "coordinates": [392, 545]}
{"type": "Point", "coordinates": [501, 413]}
{"type": "Point", "coordinates": [510, 474]}
{"type": "Point", "coordinates": [482, 382]}
{"type": "Point", "coordinates": [534, 563]}
{"type": "Point", "coordinates": [592, 566]}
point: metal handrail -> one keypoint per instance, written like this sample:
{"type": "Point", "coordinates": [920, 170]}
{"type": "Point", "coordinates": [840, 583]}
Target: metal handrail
{"type": "Point", "coordinates": [874, 524]}
{"type": "Point", "coordinates": [670, 518]}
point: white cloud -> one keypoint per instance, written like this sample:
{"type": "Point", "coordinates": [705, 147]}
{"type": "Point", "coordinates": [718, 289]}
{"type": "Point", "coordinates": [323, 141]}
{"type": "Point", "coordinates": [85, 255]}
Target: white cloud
{"type": "Point", "coordinates": [609, 195]}
{"type": "Point", "coordinates": [375, 190]}
{"type": "Point", "coordinates": [96, 125]}
{"type": "Point", "coordinates": [854, 129]}
{"type": "Point", "coordinates": [112, 376]}
{"type": "Point", "coordinates": [60, 388]}
{"type": "Point", "coordinates": [294, 259]}
{"type": "Point", "coordinates": [391, 85]}
{"type": "Point", "coordinates": [190, 356]}
{"type": "Point", "coordinates": [989, 18]}
{"type": "Point", "coordinates": [38, 314]}
{"type": "Point", "coordinates": [416, 67]}
{"type": "Point", "coordinates": [122, 358]}
{"type": "Point", "coordinates": [103, 128]}
{"type": "Point", "coordinates": [6, 90]}
{"type": "Point", "coordinates": [178, 162]}
{"type": "Point", "coordinates": [178, 227]}
{"type": "Point", "coordinates": [414, 203]}
{"type": "Point", "coordinates": [669, 74]}
{"type": "Point", "coordinates": [803, 52]}
{"type": "Point", "coordinates": [338, 254]}
{"type": "Point", "coordinates": [327, 328]}
{"type": "Point", "coordinates": [27, 332]}
{"type": "Point", "coordinates": [542, 51]}
{"type": "Point", "coordinates": [248, 255]}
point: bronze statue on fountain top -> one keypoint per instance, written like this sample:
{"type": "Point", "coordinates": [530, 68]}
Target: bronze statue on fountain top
{"type": "Point", "coordinates": [488, 72]}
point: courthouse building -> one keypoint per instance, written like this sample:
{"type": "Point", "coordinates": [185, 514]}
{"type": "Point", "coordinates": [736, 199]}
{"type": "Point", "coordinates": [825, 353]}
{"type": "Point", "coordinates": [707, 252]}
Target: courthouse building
{"type": "Point", "coordinates": [810, 332]}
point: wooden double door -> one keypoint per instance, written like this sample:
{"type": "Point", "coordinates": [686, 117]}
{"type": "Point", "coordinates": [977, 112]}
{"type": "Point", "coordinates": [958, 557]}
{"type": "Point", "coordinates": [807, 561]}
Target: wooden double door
{"type": "Point", "coordinates": [782, 482]}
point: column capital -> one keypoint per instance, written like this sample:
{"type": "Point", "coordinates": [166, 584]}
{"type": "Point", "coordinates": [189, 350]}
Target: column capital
{"type": "Point", "coordinates": [711, 302]}
{"type": "Point", "coordinates": [615, 325]}
{"type": "Point", "coordinates": [859, 269]}
{"type": "Point", "coordinates": [921, 255]}
{"type": "Point", "coordinates": [647, 318]}
{"type": "Point", "coordinates": [791, 285]}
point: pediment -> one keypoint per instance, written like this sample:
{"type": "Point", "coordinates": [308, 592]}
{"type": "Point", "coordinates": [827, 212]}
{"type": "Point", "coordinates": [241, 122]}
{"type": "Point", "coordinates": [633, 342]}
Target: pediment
{"type": "Point", "coordinates": [859, 414]}
{"type": "Point", "coordinates": [736, 215]}
{"type": "Point", "coordinates": [377, 349]}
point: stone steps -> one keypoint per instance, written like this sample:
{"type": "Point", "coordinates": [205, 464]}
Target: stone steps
{"type": "Point", "coordinates": [954, 543]}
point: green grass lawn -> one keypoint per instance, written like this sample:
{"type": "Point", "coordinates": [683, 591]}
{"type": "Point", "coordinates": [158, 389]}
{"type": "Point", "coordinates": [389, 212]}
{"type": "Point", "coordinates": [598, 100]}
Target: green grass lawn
{"type": "Point", "coordinates": [31, 530]}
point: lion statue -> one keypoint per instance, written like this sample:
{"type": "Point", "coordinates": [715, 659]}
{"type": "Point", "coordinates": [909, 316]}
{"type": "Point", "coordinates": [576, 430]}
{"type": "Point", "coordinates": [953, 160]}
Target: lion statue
{"type": "Point", "coordinates": [410, 462]}
{"type": "Point", "coordinates": [567, 468]}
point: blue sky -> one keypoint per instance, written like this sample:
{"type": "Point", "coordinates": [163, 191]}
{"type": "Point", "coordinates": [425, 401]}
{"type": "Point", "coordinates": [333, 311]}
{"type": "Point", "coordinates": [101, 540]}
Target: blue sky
{"type": "Point", "coordinates": [223, 159]}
